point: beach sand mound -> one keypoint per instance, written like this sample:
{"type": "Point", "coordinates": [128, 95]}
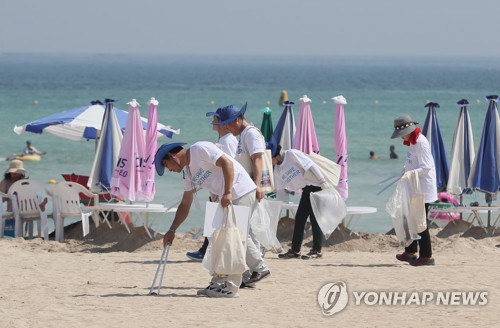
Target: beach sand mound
{"type": "Point", "coordinates": [453, 228]}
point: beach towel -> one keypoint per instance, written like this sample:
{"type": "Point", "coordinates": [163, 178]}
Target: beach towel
{"type": "Point", "coordinates": [329, 209]}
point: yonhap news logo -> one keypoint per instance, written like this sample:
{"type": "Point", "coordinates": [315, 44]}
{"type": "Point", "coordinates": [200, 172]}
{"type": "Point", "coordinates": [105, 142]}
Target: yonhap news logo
{"type": "Point", "coordinates": [333, 298]}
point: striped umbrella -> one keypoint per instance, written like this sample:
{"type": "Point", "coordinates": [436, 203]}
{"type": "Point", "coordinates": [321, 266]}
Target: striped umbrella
{"type": "Point", "coordinates": [485, 173]}
{"type": "Point", "coordinates": [433, 134]}
{"type": "Point", "coordinates": [462, 152]}
{"type": "Point", "coordinates": [107, 152]}
{"type": "Point", "coordinates": [284, 132]}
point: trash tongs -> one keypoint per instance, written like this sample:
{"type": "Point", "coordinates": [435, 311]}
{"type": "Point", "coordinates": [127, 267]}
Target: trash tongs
{"type": "Point", "coordinates": [163, 263]}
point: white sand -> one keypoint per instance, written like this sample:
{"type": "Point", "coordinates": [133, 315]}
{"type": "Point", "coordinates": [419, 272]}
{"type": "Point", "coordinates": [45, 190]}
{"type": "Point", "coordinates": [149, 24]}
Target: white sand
{"type": "Point", "coordinates": [100, 284]}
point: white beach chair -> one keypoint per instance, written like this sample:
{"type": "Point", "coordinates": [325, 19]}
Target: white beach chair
{"type": "Point", "coordinates": [26, 195]}
{"type": "Point", "coordinates": [68, 204]}
{"type": "Point", "coordinates": [4, 214]}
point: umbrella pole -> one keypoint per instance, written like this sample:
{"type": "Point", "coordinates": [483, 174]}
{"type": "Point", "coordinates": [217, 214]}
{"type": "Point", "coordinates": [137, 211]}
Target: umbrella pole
{"type": "Point", "coordinates": [489, 198]}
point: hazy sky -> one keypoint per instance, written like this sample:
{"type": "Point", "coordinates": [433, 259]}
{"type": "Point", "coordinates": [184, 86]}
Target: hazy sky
{"type": "Point", "coordinates": [253, 27]}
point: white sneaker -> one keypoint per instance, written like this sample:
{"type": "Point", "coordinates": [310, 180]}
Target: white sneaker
{"type": "Point", "coordinates": [222, 293]}
{"type": "Point", "coordinates": [203, 292]}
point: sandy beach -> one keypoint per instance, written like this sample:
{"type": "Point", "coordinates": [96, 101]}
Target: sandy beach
{"type": "Point", "coordinates": [104, 282]}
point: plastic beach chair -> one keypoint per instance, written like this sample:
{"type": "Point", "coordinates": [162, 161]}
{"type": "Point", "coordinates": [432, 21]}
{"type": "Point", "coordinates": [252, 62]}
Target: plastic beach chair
{"type": "Point", "coordinates": [68, 204]}
{"type": "Point", "coordinates": [4, 215]}
{"type": "Point", "coordinates": [26, 195]}
{"type": "Point", "coordinates": [163, 265]}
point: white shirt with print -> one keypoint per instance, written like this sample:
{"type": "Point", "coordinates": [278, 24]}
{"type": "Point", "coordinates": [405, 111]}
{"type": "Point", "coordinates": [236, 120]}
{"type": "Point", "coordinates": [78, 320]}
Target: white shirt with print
{"type": "Point", "coordinates": [290, 173]}
{"type": "Point", "coordinates": [204, 173]}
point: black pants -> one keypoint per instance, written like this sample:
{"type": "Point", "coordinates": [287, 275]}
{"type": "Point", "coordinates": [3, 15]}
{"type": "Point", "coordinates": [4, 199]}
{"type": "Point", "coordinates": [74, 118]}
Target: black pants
{"type": "Point", "coordinates": [305, 211]}
{"type": "Point", "coordinates": [424, 243]}
{"type": "Point", "coordinates": [203, 248]}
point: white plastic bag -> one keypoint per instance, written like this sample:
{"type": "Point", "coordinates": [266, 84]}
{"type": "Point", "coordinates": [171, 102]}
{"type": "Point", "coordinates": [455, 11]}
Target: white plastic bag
{"type": "Point", "coordinates": [397, 208]}
{"type": "Point", "coordinates": [264, 224]}
{"type": "Point", "coordinates": [329, 209]}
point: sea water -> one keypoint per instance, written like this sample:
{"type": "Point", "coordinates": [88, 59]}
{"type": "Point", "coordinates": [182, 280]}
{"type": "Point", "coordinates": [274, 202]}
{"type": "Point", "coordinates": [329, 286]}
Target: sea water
{"type": "Point", "coordinates": [377, 90]}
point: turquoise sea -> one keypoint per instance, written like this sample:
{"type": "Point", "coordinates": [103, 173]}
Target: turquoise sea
{"type": "Point", "coordinates": [377, 90]}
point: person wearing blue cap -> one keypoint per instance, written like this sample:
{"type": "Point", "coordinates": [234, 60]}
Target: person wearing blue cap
{"type": "Point", "coordinates": [206, 166]}
{"type": "Point", "coordinates": [292, 168]}
{"type": "Point", "coordinates": [228, 143]}
{"type": "Point", "coordinates": [251, 148]}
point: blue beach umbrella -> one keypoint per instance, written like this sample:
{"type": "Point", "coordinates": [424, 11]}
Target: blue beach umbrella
{"type": "Point", "coordinates": [485, 173]}
{"type": "Point", "coordinates": [82, 123]}
{"type": "Point", "coordinates": [433, 134]}
{"type": "Point", "coordinates": [462, 152]}
{"type": "Point", "coordinates": [107, 152]}
{"type": "Point", "coordinates": [284, 131]}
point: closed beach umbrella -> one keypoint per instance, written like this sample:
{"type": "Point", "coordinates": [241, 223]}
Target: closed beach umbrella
{"type": "Point", "coordinates": [129, 170]}
{"type": "Point", "coordinates": [462, 152]}
{"type": "Point", "coordinates": [267, 124]}
{"type": "Point", "coordinates": [305, 136]}
{"type": "Point", "coordinates": [82, 123]}
{"type": "Point", "coordinates": [107, 152]}
{"type": "Point", "coordinates": [284, 131]}
{"type": "Point", "coordinates": [151, 147]}
{"type": "Point", "coordinates": [340, 138]}
{"type": "Point", "coordinates": [485, 173]}
{"type": "Point", "coordinates": [433, 134]}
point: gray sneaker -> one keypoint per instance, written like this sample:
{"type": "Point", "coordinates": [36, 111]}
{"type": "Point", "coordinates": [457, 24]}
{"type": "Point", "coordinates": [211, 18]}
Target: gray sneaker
{"type": "Point", "coordinates": [222, 293]}
{"type": "Point", "coordinates": [203, 292]}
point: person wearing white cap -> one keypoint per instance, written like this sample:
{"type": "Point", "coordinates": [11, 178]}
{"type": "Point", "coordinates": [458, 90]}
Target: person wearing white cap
{"type": "Point", "coordinates": [419, 159]}
{"type": "Point", "coordinates": [14, 173]}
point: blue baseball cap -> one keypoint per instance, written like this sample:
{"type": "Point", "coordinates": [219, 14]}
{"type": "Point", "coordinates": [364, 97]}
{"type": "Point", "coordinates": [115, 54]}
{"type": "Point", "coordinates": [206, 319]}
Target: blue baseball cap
{"type": "Point", "coordinates": [216, 113]}
{"type": "Point", "coordinates": [161, 152]}
{"type": "Point", "coordinates": [230, 113]}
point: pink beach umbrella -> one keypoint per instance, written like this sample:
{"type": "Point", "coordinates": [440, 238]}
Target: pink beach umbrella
{"type": "Point", "coordinates": [151, 146]}
{"type": "Point", "coordinates": [341, 144]}
{"type": "Point", "coordinates": [127, 181]}
{"type": "Point", "coordinates": [305, 136]}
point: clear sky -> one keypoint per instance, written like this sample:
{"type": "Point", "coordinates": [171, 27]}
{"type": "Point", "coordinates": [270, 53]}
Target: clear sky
{"type": "Point", "coordinates": [253, 27]}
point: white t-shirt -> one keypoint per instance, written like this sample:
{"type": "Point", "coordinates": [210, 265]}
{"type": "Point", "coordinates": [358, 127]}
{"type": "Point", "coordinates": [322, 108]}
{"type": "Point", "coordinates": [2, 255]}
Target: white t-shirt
{"type": "Point", "coordinates": [229, 144]}
{"type": "Point", "coordinates": [203, 172]}
{"type": "Point", "coordinates": [290, 173]}
{"type": "Point", "coordinates": [419, 157]}
{"type": "Point", "coordinates": [251, 142]}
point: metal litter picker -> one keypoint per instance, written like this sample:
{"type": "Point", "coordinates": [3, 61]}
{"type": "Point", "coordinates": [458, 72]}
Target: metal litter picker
{"type": "Point", "coordinates": [163, 263]}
